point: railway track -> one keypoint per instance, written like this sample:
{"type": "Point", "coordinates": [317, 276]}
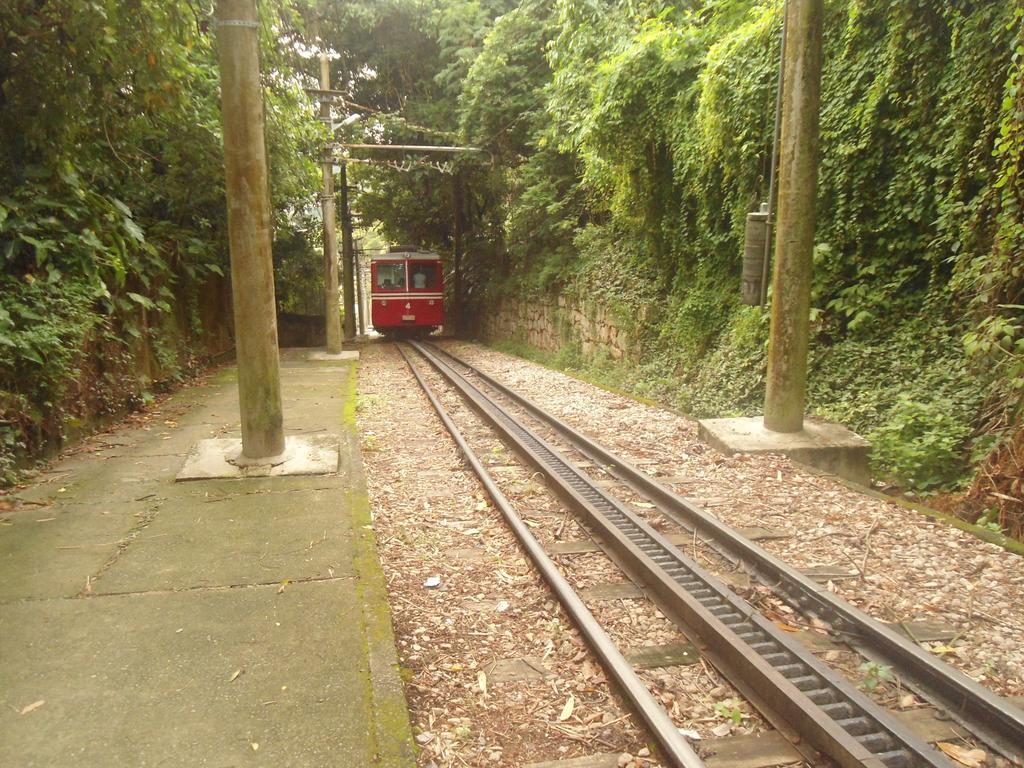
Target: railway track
{"type": "Point", "coordinates": [817, 709]}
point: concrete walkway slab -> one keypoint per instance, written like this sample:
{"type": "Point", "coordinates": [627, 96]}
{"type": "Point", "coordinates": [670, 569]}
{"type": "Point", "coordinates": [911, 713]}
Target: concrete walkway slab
{"type": "Point", "coordinates": [49, 552]}
{"type": "Point", "coordinates": [149, 680]}
{"type": "Point", "coordinates": [234, 541]}
{"type": "Point", "coordinates": [101, 480]}
{"type": "Point", "coordinates": [323, 356]}
{"type": "Point", "coordinates": [210, 623]}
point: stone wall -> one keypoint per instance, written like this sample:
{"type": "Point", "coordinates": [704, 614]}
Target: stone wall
{"type": "Point", "coordinates": [300, 330]}
{"type": "Point", "coordinates": [113, 378]}
{"type": "Point", "coordinates": [551, 324]}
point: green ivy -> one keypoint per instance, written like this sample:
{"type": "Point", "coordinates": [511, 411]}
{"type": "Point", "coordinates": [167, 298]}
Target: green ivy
{"type": "Point", "coordinates": [660, 118]}
{"type": "Point", "coordinates": [112, 209]}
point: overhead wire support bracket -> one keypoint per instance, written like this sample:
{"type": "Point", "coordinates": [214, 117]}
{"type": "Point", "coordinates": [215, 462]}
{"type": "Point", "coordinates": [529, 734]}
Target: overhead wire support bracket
{"type": "Point", "coordinates": [411, 147]}
{"type": "Point", "coordinates": [407, 164]}
{"type": "Point", "coordinates": [244, 23]}
{"type": "Point", "coordinates": [327, 94]}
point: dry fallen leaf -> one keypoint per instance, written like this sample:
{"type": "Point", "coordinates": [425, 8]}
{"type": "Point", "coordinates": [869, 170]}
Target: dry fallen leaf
{"type": "Point", "coordinates": [566, 712]}
{"type": "Point", "coordinates": [31, 707]}
{"type": "Point", "coordinates": [723, 729]}
{"type": "Point", "coordinates": [972, 758]}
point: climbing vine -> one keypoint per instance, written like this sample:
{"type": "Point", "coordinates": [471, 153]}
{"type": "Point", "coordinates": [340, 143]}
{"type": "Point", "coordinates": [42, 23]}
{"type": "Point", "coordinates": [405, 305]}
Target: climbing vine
{"type": "Point", "coordinates": [664, 114]}
{"type": "Point", "coordinates": [112, 212]}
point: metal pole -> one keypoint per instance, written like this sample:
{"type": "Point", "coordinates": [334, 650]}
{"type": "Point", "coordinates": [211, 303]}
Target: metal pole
{"type": "Point", "coordinates": [769, 221]}
{"type": "Point", "coordinates": [248, 198]}
{"type": "Point", "coordinates": [332, 319]}
{"type": "Point", "coordinates": [346, 259]}
{"type": "Point", "coordinates": [794, 237]}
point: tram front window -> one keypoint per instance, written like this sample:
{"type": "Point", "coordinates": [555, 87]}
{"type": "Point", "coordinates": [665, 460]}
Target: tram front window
{"type": "Point", "coordinates": [391, 276]}
{"type": "Point", "coordinates": [424, 276]}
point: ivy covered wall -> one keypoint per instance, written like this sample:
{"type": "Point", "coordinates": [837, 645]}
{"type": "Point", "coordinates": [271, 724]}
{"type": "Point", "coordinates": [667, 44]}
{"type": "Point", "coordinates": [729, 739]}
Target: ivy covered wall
{"type": "Point", "coordinates": [646, 141]}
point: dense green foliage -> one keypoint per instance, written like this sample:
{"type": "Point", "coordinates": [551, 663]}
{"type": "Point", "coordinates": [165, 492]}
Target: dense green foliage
{"type": "Point", "coordinates": [629, 138]}
{"type": "Point", "coordinates": [625, 141]}
{"type": "Point", "coordinates": [403, 65]}
{"type": "Point", "coordinates": [112, 212]}
{"type": "Point", "coordinates": [665, 116]}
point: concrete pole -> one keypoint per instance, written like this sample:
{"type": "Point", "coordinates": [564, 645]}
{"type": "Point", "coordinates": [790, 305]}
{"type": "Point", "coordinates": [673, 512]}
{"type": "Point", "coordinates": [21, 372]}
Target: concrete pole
{"type": "Point", "coordinates": [332, 320]}
{"type": "Point", "coordinates": [357, 258]}
{"type": "Point", "coordinates": [346, 259]}
{"type": "Point", "coordinates": [457, 206]}
{"type": "Point", "coordinates": [252, 270]}
{"type": "Point", "coordinates": [794, 235]}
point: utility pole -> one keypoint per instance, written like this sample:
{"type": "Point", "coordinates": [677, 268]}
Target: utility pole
{"type": "Point", "coordinates": [252, 270]}
{"type": "Point", "coordinates": [332, 322]}
{"type": "Point", "coordinates": [346, 258]}
{"type": "Point", "coordinates": [457, 204]}
{"type": "Point", "coordinates": [357, 258]}
{"type": "Point", "coordinates": [794, 236]}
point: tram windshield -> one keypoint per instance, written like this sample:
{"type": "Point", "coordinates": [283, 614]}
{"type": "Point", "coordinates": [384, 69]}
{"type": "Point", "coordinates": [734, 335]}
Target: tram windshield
{"type": "Point", "coordinates": [423, 276]}
{"type": "Point", "coordinates": [391, 276]}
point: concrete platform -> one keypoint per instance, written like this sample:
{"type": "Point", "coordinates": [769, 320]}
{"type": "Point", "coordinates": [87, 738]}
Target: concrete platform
{"type": "Point", "coordinates": [831, 448]}
{"type": "Point", "coordinates": [213, 623]}
{"type": "Point", "coordinates": [323, 356]}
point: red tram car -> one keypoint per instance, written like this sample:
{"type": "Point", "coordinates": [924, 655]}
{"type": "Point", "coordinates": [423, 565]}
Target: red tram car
{"type": "Point", "coordinates": [407, 291]}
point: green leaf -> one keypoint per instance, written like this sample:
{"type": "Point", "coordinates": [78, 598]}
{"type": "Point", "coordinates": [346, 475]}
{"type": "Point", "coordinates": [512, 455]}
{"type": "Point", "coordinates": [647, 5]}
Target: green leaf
{"type": "Point", "coordinates": [134, 230]}
{"type": "Point", "coordinates": [121, 207]}
{"type": "Point", "coordinates": [31, 354]}
{"type": "Point", "coordinates": [141, 300]}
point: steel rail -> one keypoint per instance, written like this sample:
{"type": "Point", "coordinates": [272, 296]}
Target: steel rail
{"type": "Point", "coordinates": [672, 741]}
{"type": "Point", "coordinates": [987, 715]}
{"type": "Point", "coordinates": [810, 698]}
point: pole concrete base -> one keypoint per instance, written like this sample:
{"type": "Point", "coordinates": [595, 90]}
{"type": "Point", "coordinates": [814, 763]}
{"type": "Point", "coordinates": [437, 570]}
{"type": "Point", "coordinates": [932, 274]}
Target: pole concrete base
{"type": "Point", "coordinates": [829, 447]}
{"type": "Point", "coordinates": [219, 458]}
{"type": "Point", "coordinates": [321, 355]}
{"type": "Point", "coordinates": [241, 460]}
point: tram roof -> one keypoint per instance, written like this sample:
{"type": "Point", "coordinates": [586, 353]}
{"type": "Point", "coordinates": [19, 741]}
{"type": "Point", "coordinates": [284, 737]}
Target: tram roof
{"type": "Point", "coordinates": [402, 252]}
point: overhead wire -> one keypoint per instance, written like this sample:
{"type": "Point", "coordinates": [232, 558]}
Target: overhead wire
{"type": "Point", "coordinates": [445, 167]}
{"type": "Point", "coordinates": [387, 115]}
